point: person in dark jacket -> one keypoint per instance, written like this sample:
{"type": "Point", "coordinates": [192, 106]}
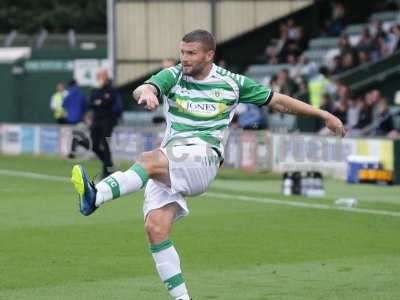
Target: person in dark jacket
{"type": "Point", "coordinates": [103, 102]}
{"type": "Point", "coordinates": [384, 123]}
{"type": "Point", "coordinates": [74, 104]}
{"type": "Point", "coordinates": [365, 117]}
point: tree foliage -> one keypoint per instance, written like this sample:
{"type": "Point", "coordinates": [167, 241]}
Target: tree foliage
{"type": "Point", "coordinates": [56, 16]}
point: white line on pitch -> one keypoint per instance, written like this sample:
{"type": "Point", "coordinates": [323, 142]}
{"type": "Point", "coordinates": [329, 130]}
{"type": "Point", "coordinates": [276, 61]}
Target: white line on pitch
{"type": "Point", "coordinates": [227, 196]}
{"type": "Point", "coordinates": [33, 175]}
{"type": "Point", "coordinates": [303, 204]}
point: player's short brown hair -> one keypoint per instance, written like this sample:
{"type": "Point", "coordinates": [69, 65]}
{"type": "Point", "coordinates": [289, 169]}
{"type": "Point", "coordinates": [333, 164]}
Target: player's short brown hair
{"type": "Point", "coordinates": [202, 36]}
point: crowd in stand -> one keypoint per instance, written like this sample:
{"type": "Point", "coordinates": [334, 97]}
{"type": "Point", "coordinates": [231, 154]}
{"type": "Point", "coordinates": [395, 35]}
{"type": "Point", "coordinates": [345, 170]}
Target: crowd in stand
{"type": "Point", "coordinates": [373, 44]}
{"type": "Point", "coordinates": [288, 47]}
{"type": "Point", "coordinates": [364, 115]}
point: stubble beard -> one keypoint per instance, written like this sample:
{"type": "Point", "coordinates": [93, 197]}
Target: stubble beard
{"type": "Point", "coordinates": [194, 71]}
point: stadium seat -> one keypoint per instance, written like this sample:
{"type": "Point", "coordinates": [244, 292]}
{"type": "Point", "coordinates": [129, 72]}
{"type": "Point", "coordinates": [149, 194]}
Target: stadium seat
{"type": "Point", "coordinates": [396, 121]}
{"type": "Point", "coordinates": [355, 29]}
{"type": "Point", "coordinates": [281, 123]}
{"type": "Point", "coordinates": [385, 16]}
{"type": "Point", "coordinates": [395, 112]}
{"type": "Point", "coordinates": [259, 73]}
{"type": "Point", "coordinates": [317, 56]}
{"type": "Point", "coordinates": [323, 43]}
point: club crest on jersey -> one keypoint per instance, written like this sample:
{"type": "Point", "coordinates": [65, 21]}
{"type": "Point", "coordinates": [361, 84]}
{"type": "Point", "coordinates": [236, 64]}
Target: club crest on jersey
{"type": "Point", "coordinates": [217, 94]}
{"type": "Point", "coordinates": [183, 91]}
{"type": "Point", "coordinates": [200, 109]}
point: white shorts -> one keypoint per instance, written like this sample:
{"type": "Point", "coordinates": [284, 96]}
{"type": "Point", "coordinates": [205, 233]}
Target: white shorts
{"type": "Point", "coordinates": [191, 168]}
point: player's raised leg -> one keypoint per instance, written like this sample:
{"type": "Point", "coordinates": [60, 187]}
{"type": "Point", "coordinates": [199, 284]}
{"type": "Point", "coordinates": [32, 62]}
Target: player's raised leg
{"type": "Point", "coordinates": [152, 164]}
{"type": "Point", "coordinates": [158, 227]}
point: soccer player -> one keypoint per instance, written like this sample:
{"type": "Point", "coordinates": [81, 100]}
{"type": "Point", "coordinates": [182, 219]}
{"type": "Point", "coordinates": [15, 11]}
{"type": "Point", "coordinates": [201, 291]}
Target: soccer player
{"type": "Point", "coordinates": [199, 100]}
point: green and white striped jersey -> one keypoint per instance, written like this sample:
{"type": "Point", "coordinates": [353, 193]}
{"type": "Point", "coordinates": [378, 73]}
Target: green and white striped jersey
{"type": "Point", "coordinates": [199, 111]}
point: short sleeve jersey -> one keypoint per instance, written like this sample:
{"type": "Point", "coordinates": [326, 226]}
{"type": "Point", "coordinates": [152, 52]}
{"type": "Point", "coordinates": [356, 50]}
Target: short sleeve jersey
{"type": "Point", "coordinates": [199, 111]}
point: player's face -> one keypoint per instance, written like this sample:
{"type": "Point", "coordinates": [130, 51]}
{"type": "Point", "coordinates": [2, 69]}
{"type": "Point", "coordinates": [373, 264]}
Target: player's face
{"type": "Point", "coordinates": [194, 58]}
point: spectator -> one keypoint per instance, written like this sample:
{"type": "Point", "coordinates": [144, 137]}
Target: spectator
{"type": "Point", "coordinates": [320, 85]}
{"type": "Point", "coordinates": [273, 83]}
{"type": "Point", "coordinates": [342, 92]}
{"type": "Point", "coordinates": [364, 119]}
{"type": "Point", "coordinates": [365, 116]}
{"type": "Point", "coordinates": [363, 57]}
{"type": "Point", "coordinates": [348, 61]}
{"type": "Point", "coordinates": [366, 42]}
{"type": "Point", "coordinates": [340, 110]}
{"type": "Point", "coordinates": [302, 40]}
{"type": "Point", "coordinates": [384, 124]}
{"type": "Point", "coordinates": [271, 55]}
{"type": "Point", "coordinates": [292, 60]}
{"type": "Point", "coordinates": [287, 85]}
{"type": "Point", "coordinates": [337, 67]}
{"type": "Point", "coordinates": [345, 46]}
{"type": "Point", "coordinates": [302, 92]}
{"type": "Point", "coordinates": [103, 100]}
{"type": "Point", "coordinates": [251, 116]}
{"type": "Point", "coordinates": [74, 103]}
{"type": "Point", "coordinates": [307, 68]}
{"type": "Point", "coordinates": [376, 29]}
{"type": "Point", "coordinates": [295, 67]}
{"type": "Point", "coordinates": [337, 22]}
{"type": "Point", "coordinates": [56, 103]}
{"type": "Point", "coordinates": [373, 98]}
{"type": "Point", "coordinates": [296, 34]}
{"type": "Point", "coordinates": [384, 47]}
{"type": "Point", "coordinates": [282, 43]}
{"type": "Point", "coordinates": [291, 41]}
{"type": "Point", "coordinates": [285, 45]}
{"type": "Point", "coordinates": [353, 113]}
{"type": "Point", "coordinates": [293, 48]}
{"type": "Point", "coordinates": [301, 67]}
{"type": "Point", "coordinates": [347, 58]}
{"type": "Point", "coordinates": [293, 30]}
{"type": "Point", "coordinates": [394, 37]}
{"type": "Point", "coordinates": [328, 105]}
{"type": "Point", "coordinates": [368, 115]}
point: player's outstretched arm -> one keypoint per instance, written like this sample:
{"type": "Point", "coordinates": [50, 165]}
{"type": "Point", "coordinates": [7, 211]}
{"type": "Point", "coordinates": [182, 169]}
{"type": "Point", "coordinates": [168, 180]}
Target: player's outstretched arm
{"type": "Point", "coordinates": [289, 105]}
{"type": "Point", "coordinates": [147, 94]}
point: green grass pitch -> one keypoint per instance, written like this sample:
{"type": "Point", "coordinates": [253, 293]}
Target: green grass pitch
{"type": "Point", "coordinates": [235, 244]}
